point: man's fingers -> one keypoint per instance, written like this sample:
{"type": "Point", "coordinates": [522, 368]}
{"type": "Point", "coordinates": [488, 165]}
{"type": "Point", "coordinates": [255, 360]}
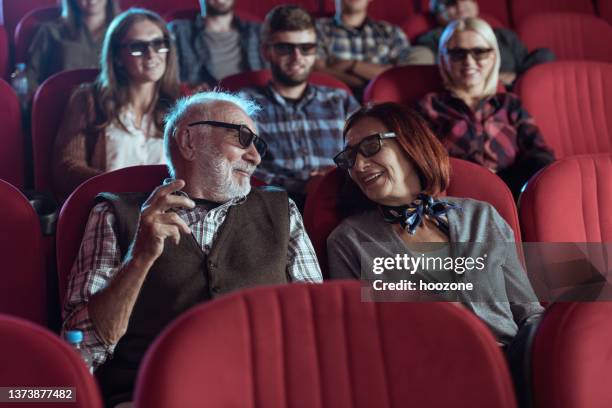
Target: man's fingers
{"type": "Point", "coordinates": [165, 190]}
{"type": "Point", "coordinates": [172, 219]}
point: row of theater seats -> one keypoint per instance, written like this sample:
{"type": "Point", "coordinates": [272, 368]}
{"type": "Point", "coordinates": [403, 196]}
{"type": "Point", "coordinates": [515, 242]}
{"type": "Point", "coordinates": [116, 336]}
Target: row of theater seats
{"type": "Point", "coordinates": [569, 201]}
{"type": "Point", "coordinates": [569, 101]}
{"type": "Point", "coordinates": [549, 24]}
{"type": "Point", "coordinates": [320, 345]}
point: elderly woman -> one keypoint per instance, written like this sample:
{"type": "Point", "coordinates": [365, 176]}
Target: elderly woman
{"type": "Point", "coordinates": [72, 41]}
{"type": "Point", "coordinates": [474, 121]}
{"type": "Point", "coordinates": [117, 121]}
{"type": "Point", "coordinates": [400, 170]}
{"type": "Point", "coordinates": [397, 171]}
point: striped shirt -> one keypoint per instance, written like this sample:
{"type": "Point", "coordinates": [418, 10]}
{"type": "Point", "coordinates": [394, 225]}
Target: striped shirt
{"type": "Point", "coordinates": [301, 136]}
{"type": "Point", "coordinates": [377, 42]}
{"type": "Point", "coordinates": [99, 259]}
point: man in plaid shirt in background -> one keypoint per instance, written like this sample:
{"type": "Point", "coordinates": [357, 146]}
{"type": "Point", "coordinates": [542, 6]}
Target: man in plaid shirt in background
{"type": "Point", "coordinates": [301, 122]}
{"type": "Point", "coordinates": [145, 259]}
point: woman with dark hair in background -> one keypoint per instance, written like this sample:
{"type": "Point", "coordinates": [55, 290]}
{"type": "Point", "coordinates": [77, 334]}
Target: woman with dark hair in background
{"type": "Point", "coordinates": [72, 41]}
{"type": "Point", "coordinates": [117, 121]}
{"type": "Point", "coordinates": [471, 118]}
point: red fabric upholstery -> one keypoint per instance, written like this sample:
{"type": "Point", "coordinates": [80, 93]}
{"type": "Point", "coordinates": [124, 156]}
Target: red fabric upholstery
{"type": "Point", "coordinates": [32, 356]}
{"type": "Point", "coordinates": [523, 8]}
{"type": "Point", "coordinates": [605, 10]}
{"type": "Point", "coordinates": [48, 107]}
{"type": "Point", "coordinates": [571, 36]}
{"type": "Point", "coordinates": [13, 11]}
{"type": "Point", "coordinates": [23, 288]}
{"type": "Point", "coordinates": [407, 84]}
{"type": "Point", "coordinates": [242, 80]}
{"type": "Point", "coordinates": [467, 180]}
{"type": "Point", "coordinates": [570, 103]}
{"type": "Point", "coordinates": [27, 27]}
{"type": "Point", "coordinates": [320, 345]}
{"type": "Point", "coordinates": [12, 167]}
{"type": "Point", "coordinates": [161, 7]}
{"type": "Point", "coordinates": [571, 364]}
{"type": "Point", "coordinates": [4, 54]}
{"type": "Point", "coordinates": [75, 212]}
{"type": "Point", "coordinates": [418, 24]}
{"type": "Point", "coordinates": [581, 188]}
{"type": "Point", "coordinates": [495, 11]}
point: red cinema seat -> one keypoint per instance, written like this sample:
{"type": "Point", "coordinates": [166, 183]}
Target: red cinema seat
{"type": "Point", "coordinates": [605, 10]}
{"type": "Point", "coordinates": [4, 54]}
{"type": "Point", "coordinates": [27, 27]}
{"type": "Point", "coordinates": [23, 288]}
{"type": "Point", "coordinates": [319, 345]}
{"type": "Point", "coordinates": [161, 7]}
{"type": "Point", "coordinates": [569, 201]}
{"type": "Point", "coordinates": [523, 8]}
{"type": "Point", "coordinates": [12, 165]}
{"type": "Point", "coordinates": [467, 180]}
{"type": "Point", "coordinates": [571, 104]}
{"type": "Point", "coordinates": [243, 80]}
{"type": "Point", "coordinates": [571, 36]}
{"type": "Point", "coordinates": [495, 10]}
{"type": "Point", "coordinates": [48, 107]}
{"type": "Point", "coordinates": [418, 24]}
{"type": "Point", "coordinates": [13, 11]}
{"type": "Point", "coordinates": [407, 84]}
{"type": "Point", "coordinates": [32, 356]}
{"type": "Point", "coordinates": [571, 364]}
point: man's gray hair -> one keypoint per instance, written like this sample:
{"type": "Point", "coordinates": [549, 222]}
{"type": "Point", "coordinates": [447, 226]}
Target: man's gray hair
{"type": "Point", "coordinates": [183, 106]}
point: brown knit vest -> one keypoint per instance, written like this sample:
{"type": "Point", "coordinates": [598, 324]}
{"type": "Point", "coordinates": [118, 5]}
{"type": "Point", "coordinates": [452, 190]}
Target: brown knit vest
{"type": "Point", "coordinates": [249, 249]}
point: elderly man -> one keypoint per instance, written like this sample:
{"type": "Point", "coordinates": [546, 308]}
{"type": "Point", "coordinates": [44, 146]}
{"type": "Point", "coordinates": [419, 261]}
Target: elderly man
{"type": "Point", "coordinates": [301, 121]}
{"type": "Point", "coordinates": [216, 44]}
{"type": "Point", "coordinates": [515, 58]}
{"type": "Point", "coordinates": [145, 259]}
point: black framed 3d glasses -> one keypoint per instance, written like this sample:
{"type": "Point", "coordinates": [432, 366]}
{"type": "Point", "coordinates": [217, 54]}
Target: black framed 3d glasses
{"type": "Point", "coordinates": [285, 48]}
{"type": "Point", "coordinates": [368, 147]}
{"type": "Point", "coordinates": [139, 48]}
{"type": "Point", "coordinates": [245, 135]}
{"type": "Point", "coordinates": [460, 54]}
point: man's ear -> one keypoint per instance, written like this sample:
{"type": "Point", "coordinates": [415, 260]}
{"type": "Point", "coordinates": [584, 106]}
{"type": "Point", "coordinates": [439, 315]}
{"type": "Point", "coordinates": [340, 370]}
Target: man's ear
{"type": "Point", "coordinates": [265, 51]}
{"type": "Point", "coordinates": [185, 144]}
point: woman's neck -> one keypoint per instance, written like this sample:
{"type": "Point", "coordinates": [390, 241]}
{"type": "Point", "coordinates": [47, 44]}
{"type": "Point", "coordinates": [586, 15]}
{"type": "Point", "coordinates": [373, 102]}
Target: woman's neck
{"type": "Point", "coordinates": [141, 98]}
{"type": "Point", "coordinates": [96, 24]}
{"type": "Point", "coordinates": [471, 96]}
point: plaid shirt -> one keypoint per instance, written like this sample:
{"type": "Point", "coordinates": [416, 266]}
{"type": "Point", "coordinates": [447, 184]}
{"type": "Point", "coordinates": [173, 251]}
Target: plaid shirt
{"type": "Point", "coordinates": [302, 136]}
{"type": "Point", "coordinates": [378, 42]}
{"type": "Point", "coordinates": [99, 259]}
{"type": "Point", "coordinates": [493, 135]}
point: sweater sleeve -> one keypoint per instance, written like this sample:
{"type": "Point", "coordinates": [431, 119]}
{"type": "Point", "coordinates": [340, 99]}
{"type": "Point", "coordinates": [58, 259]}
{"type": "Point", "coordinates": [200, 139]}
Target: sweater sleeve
{"type": "Point", "coordinates": [70, 159]}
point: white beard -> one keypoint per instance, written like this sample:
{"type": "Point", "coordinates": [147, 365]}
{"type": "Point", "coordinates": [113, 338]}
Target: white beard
{"type": "Point", "coordinates": [220, 178]}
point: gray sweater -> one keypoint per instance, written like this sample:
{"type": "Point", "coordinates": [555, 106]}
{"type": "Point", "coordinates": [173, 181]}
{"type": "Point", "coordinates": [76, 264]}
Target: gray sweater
{"type": "Point", "coordinates": [502, 296]}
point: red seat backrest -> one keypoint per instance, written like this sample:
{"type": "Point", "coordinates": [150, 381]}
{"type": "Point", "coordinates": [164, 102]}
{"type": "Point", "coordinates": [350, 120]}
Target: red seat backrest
{"type": "Point", "coordinates": [571, 36]}
{"type": "Point", "coordinates": [321, 345]}
{"type": "Point", "coordinates": [407, 84]}
{"type": "Point", "coordinates": [13, 11]}
{"type": "Point", "coordinates": [161, 7]}
{"type": "Point", "coordinates": [49, 103]}
{"type": "Point", "coordinates": [32, 356]}
{"type": "Point", "coordinates": [495, 11]}
{"type": "Point", "coordinates": [418, 24]}
{"type": "Point", "coordinates": [243, 80]}
{"type": "Point", "coordinates": [605, 10]}
{"type": "Point", "coordinates": [467, 180]}
{"type": "Point", "coordinates": [523, 8]}
{"type": "Point", "coordinates": [75, 211]}
{"type": "Point", "coordinates": [12, 160]}
{"type": "Point", "coordinates": [4, 54]}
{"type": "Point", "coordinates": [27, 27]}
{"type": "Point", "coordinates": [23, 288]}
{"type": "Point", "coordinates": [569, 201]}
{"type": "Point", "coordinates": [571, 105]}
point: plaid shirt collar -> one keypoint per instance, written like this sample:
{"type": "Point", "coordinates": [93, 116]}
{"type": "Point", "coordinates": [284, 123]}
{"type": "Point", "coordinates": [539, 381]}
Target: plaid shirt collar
{"type": "Point", "coordinates": [492, 102]}
{"type": "Point", "coordinates": [340, 24]}
{"type": "Point", "coordinates": [309, 95]}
